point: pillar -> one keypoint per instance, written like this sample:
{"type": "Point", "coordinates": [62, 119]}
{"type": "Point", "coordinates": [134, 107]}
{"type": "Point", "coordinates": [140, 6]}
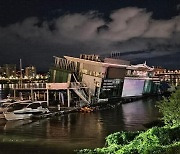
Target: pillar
{"type": "Point", "coordinates": [89, 97]}
{"type": "Point", "coordinates": [44, 96]}
{"type": "Point", "coordinates": [38, 95]}
{"type": "Point", "coordinates": [55, 98]}
{"type": "Point", "coordinates": [68, 97]}
{"type": "Point", "coordinates": [35, 96]}
{"type": "Point", "coordinates": [32, 97]}
{"type": "Point", "coordinates": [14, 94]}
{"type": "Point", "coordinates": [47, 97]}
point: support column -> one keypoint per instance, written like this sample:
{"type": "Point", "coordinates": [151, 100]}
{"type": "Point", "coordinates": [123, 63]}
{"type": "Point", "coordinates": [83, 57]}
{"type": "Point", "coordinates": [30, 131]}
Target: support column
{"type": "Point", "coordinates": [38, 95]}
{"type": "Point", "coordinates": [32, 97]}
{"type": "Point", "coordinates": [89, 95]}
{"type": "Point", "coordinates": [55, 98]}
{"type": "Point", "coordinates": [20, 96]}
{"type": "Point", "coordinates": [35, 96]}
{"type": "Point", "coordinates": [14, 94]}
{"type": "Point", "coordinates": [44, 96]}
{"type": "Point", "coordinates": [68, 97]}
{"type": "Point", "coordinates": [47, 97]}
{"type": "Point", "coordinates": [59, 96]}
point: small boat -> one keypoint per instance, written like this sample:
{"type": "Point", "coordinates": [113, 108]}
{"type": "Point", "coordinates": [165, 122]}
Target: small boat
{"type": "Point", "coordinates": [20, 111]}
{"type": "Point", "coordinates": [4, 106]}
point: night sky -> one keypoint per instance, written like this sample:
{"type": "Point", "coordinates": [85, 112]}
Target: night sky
{"type": "Point", "coordinates": [142, 30]}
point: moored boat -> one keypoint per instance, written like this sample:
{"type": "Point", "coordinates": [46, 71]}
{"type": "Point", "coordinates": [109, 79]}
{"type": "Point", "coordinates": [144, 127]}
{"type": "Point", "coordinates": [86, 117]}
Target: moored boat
{"type": "Point", "coordinates": [25, 111]}
{"type": "Point", "coordinates": [4, 106]}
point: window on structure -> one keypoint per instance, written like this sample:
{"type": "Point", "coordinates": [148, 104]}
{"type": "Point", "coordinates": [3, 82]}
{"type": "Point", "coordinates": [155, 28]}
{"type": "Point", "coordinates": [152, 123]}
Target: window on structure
{"type": "Point", "coordinates": [34, 105]}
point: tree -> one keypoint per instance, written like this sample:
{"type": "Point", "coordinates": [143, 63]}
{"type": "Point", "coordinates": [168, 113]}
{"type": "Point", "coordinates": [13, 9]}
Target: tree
{"type": "Point", "coordinates": [170, 109]}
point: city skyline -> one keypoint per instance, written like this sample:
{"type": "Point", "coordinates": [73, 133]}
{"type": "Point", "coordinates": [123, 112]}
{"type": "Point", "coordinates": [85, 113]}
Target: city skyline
{"type": "Point", "coordinates": [141, 30]}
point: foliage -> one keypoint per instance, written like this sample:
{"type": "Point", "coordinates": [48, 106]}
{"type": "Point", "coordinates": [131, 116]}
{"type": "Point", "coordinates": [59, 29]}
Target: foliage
{"type": "Point", "coordinates": [170, 108]}
{"type": "Point", "coordinates": [156, 140]}
{"type": "Point", "coordinates": [121, 138]}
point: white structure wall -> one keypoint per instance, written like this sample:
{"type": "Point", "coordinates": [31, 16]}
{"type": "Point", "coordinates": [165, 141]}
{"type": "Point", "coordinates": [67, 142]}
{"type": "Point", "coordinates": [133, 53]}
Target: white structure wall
{"type": "Point", "coordinates": [92, 82]}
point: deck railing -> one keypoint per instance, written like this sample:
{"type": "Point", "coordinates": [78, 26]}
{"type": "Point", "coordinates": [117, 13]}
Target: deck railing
{"type": "Point", "coordinates": [72, 85]}
{"type": "Point", "coordinates": [77, 85]}
{"type": "Point", "coordinates": [30, 86]}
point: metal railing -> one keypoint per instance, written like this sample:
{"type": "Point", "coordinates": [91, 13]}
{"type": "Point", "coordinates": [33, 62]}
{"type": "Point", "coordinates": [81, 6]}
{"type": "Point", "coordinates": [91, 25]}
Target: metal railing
{"type": "Point", "coordinates": [78, 85]}
{"type": "Point", "coordinates": [30, 86]}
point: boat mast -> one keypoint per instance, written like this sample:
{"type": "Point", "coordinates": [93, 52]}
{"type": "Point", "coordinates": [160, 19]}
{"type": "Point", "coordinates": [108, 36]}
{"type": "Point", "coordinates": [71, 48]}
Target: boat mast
{"type": "Point", "coordinates": [21, 75]}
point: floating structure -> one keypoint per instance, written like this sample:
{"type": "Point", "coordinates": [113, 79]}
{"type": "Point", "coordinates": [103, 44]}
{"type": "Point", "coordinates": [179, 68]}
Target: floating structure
{"type": "Point", "coordinates": [106, 79]}
{"type": "Point", "coordinates": [91, 79]}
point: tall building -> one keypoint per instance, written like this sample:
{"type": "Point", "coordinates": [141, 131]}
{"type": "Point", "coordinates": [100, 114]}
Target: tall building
{"type": "Point", "coordinates": [30, 72]}
{"type": "Point", "coordinates": [9, 70]}
{"type": "Point", "coordinates": [1, 71]}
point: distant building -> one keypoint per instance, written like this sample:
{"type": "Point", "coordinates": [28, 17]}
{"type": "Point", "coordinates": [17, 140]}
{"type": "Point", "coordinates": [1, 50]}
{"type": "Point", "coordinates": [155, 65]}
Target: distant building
{"type": "Point", "coordinates": [159, 70]}
{"type": "Point", "coordinates": [140, 70]}
{"type": "Point", "coordinates": [30, 72]}
{"type": "Point", "coordinates": [116, 61]}
{"type": "Point", "coordinates": [1, 71]}
{"type": "Point", "coordinates": [9, 70]}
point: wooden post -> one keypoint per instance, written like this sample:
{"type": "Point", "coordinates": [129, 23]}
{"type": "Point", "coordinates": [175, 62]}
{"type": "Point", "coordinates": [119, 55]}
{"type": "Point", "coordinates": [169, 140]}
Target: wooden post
{"type": "Point", "coordinates": [47, 97]}
{"type": "Point", "coordinates": [68, 97]}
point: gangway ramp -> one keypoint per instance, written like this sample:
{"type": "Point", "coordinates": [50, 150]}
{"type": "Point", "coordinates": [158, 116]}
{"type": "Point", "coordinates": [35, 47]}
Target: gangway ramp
{"type": "Point", "coordinates": [77, 87]}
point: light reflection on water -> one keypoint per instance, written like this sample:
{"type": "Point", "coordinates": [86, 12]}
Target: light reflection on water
{"type": "Point", "coordinates": [66, 133]}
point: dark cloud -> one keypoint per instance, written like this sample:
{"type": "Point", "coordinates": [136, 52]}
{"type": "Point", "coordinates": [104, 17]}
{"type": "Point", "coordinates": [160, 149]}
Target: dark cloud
{"type": "Point", "coordinates": [130, 29]}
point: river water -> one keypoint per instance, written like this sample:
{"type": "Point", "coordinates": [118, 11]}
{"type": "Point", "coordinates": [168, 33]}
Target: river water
{"type": "Point", "coordinates": [64, 134]}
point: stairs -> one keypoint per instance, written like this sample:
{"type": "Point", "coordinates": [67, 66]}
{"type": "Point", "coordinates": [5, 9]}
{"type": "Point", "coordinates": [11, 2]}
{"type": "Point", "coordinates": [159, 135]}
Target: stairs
{"type": "Point", "coordinates": [78, 89]}
{"type": "Point", "coordinates": [82, 95]}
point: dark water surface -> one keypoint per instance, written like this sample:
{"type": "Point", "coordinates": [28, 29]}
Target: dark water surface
{"type": "Point", "coordinates": [66, 133]}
